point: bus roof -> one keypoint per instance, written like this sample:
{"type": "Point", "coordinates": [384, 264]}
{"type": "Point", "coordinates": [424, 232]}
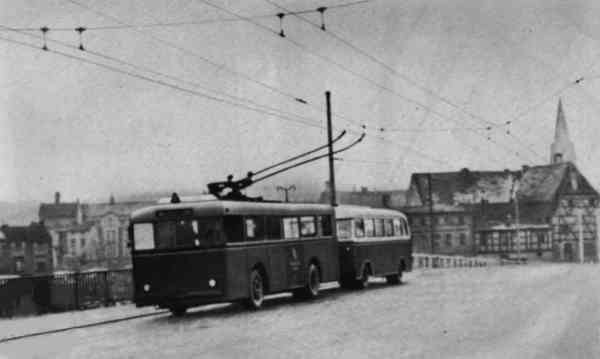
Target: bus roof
{"type": "Point", "coordinates": [220, 208]}
{"type": "Point", "coordinates": [348, 211]}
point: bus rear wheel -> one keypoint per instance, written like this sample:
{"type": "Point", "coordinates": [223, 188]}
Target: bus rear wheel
{"type": "Point", "coordinates": [313, 284]}
{"type": "Point", "coordinates": [257, 290]}
{"type": "Point", "coordinates": [178, 311]}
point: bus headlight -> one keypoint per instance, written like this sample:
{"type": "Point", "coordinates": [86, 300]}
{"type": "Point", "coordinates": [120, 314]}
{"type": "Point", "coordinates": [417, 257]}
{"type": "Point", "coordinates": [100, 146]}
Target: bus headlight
{"type": "Point", "coordinates": [146, 287]}
{"type": "Point", "coordinates": [212, 283]}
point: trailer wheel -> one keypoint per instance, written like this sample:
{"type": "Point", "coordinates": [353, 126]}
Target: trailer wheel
{"type": "Point", "coordinates": [257, 290]}
{"type": "Point", "coordinates": [363, 281]}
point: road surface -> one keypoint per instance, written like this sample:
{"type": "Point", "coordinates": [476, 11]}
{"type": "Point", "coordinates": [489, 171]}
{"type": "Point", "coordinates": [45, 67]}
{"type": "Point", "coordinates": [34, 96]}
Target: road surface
{"type": "Point", "coordinates": [535, 311]}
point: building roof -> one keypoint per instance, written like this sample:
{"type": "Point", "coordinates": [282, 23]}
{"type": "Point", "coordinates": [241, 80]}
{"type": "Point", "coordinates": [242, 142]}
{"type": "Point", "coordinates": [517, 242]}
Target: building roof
{"type": "Point", "coordinates": [57, 210]}
{"type": "Point", "coordinates": [455, 190]}
{"type": "Point", "coordinates": [451, 189]}
{"type": "Point", "coordinates": [365, 197]}
{"type": "Point", "coordinates": [93, 210]}
{"type": "Point", "coordinates": [35, 232]}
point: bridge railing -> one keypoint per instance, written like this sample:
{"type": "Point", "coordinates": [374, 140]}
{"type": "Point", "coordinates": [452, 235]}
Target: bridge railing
{"type": "Point", "coordinates": [65, 291]}
{"type": "Point", "coordinates": [428, 260]}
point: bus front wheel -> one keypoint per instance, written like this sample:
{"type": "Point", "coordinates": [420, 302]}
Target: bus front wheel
{"type": "Point", "coordinates": [257, 290]}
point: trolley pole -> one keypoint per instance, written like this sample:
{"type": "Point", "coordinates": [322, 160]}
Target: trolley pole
{"type": "Point", "coordinates": [330, 146]}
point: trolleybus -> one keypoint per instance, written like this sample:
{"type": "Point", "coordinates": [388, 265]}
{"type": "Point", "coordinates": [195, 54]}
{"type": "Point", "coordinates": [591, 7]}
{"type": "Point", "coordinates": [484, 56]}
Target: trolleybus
{"type": "Point", "coordinates": [372, 242]}
{"type": "Point", "coordinates": [188, 254]}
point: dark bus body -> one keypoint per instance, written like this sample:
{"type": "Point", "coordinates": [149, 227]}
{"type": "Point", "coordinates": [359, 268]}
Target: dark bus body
{"type": "Point", "coordinates": [372, 242]}
{"type": "Point", "coordinates": [189, 254]}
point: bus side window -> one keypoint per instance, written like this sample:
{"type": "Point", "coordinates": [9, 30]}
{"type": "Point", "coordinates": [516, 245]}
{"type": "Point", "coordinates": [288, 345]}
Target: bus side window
{"type": "Point", "coordinates": [324, 225]}
{"type": "Point", "coordinates": [255, 228]}
{"type": "Point", "coordinates": [379, 227]}
{"type": "Point", "coordinates": [233, 228]}
{"type": "Point", "coordinates": [273, 227]}
{"type": "Point", "coordinates": [397, 229]}
{"type": "Point", "coordinates": [308, 226]}
{"type": "Point", "coordinates": [389, 230]}
{"type": "Point", "coordinates": [369, 228]}
{"type": "Point", "coordinates": [290, 227]}
{"type": "Point", "coordinates": [359, 227]}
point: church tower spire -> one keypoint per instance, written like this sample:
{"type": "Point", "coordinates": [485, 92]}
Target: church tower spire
{"type": "Point", "coordinates": [562, 149]}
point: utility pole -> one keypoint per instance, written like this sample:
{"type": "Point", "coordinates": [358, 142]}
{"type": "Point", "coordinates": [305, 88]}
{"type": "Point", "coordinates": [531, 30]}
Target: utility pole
{"type": "Point", "coordinates": [517, 224]}
{"type": "Point", "coordinates": [286, 190]}
{"type": "Point", "coordinates": [330, 156]}
{"type": "Point", "coordinates": [430, 202]}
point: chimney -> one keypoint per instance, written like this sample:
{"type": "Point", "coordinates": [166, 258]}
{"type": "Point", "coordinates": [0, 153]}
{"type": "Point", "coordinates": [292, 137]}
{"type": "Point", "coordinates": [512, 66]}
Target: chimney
{"type": "Point", "coordinates": [111, 200]}
{"type": "Point", "coordinates": [364, 190]}
{"type": "Point", "coordinates": [525, 168]}
{"type": "Point", "coordinates": [56, 197]}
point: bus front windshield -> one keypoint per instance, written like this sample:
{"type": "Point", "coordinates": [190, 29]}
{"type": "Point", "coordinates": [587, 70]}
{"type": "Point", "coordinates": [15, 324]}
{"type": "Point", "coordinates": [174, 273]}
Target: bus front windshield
{"type": "Point", "coordinates": [183, 233]}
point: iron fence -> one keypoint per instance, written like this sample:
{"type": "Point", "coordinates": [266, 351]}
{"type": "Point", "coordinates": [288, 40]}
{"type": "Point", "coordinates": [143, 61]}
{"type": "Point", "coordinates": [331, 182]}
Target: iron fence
{"type": "Point", "coordinates": [65, 291]}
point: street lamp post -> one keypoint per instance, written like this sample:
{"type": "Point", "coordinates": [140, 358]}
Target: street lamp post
{"type": "Point", "coordinates": [286, 190]}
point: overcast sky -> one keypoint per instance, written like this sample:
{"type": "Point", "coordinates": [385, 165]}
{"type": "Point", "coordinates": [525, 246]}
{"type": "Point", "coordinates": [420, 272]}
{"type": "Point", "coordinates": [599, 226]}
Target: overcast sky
{"type": "Point", "coordinates": [438, 72]}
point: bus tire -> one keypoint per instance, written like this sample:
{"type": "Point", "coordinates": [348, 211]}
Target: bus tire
{"type": "Point", "coordinates": [256, 290]}
{"type": "Point", "coordinates": [313, 281]}
{"type": "Point", "coordinates": [313, 284]}
{"type": "Point", "coordinates": [363, 281]}
{"type": "Point", "coordinates": [178, 311]}
{"type": "Point", "coordinates": [395, 278]}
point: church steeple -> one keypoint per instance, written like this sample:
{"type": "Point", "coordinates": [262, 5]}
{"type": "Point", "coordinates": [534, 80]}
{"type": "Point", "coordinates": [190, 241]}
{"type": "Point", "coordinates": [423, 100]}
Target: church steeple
{"type": "Point", "coordinates": [562, 149]}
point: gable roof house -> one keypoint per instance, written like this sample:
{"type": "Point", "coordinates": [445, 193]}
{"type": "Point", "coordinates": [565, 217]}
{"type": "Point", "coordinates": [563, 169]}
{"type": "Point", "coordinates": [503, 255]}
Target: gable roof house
{"type": "Point", "coordinates": [540, 200]}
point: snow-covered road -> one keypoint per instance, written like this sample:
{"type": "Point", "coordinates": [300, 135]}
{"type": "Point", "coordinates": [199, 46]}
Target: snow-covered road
{"type": "Point", "coordinates": [536, 311]}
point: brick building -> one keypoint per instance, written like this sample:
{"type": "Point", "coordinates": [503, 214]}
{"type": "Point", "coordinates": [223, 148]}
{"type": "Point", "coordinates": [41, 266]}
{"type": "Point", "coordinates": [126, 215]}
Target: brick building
{"type": "Point", "coordinates": [88, 235]}
{"type": "Point", "coordinates": [25, 250]}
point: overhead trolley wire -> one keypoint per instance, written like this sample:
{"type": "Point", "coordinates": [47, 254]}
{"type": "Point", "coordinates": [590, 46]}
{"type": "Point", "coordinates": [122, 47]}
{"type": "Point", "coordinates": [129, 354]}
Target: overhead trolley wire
{"type": "Point", "coordinates": [191, 22]}
{"type": "Point", "coordinates": [162, 83]}
{"type": "Point", "coordinates": [158, 73]}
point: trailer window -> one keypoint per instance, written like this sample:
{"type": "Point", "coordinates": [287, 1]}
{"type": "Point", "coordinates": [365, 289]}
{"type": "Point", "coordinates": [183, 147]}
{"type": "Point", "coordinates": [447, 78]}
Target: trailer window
{"type": "Point", "coordinates": [397, 228]}
{"type": "Point", "coordinates": [359, 227]}
{"type": "Point", "coordinates": [389, 230]}
{"type": "Point", "coordinates": [344, 228]}
{"type": "Point", "coordinates": [290, 227]}
{"type": "Point", "coordinates": [369, 228]}
{"type": "Point", "coordinates": [379, 227]}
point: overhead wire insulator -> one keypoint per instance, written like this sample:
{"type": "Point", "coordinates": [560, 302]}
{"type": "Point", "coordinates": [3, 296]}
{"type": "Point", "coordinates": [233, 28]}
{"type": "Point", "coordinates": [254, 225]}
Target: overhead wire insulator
{"type": "Point", "coordinates": [281, 16]}
{"type": "Point", "coordinates": [44, 30]}
{"type": "Point", "coordinates": [321, 10]}
{"type": "Point", "coordinates": [80, 30]}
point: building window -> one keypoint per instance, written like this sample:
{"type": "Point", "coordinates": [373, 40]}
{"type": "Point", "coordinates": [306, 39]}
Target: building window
{"type": "Point", "coordinates": [19, 265]}
{"type": "Point", "coordinates": [462, 239]}
{"type": "Point", "coordinates": [592, 202]}
{"type": "Point", "coordinates": [73, 245]}
{"type": "Point", "coordinates": [40, 267]}
{"type": "Point", "coordinates": [441, 220]}
{"type": "Point", "coordinates": [448, 240]}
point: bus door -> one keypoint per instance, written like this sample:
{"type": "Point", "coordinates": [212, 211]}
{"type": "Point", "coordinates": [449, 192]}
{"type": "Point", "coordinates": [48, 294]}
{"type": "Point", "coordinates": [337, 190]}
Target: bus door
{"type": "Point", "coordinates": [294, 252]}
